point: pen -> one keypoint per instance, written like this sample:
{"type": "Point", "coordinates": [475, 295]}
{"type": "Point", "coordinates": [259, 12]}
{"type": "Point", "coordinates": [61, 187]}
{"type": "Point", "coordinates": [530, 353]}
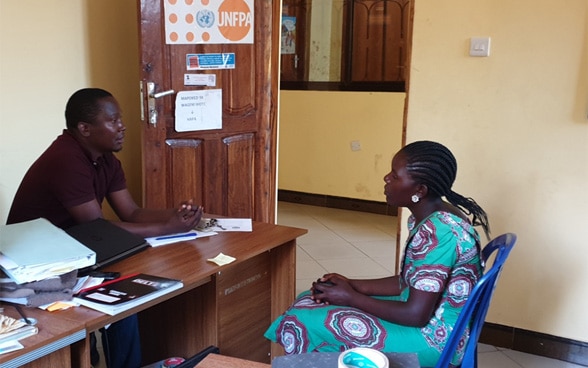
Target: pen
{"type": "Point", "coordinates": [26, 320]}
{"type": "Point", "coordinates": [185, 235]}
{"type": "Point", "coordinates": [107, 283]}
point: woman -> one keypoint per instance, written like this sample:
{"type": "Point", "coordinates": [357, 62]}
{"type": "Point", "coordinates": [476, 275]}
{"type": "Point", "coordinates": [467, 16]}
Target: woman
{"type": "Point", "coordinates": [416, 310]}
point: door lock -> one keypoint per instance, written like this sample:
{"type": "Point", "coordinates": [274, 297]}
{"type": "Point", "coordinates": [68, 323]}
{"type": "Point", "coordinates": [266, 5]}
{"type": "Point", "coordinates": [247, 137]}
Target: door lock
{"type": "Point", "coordinates": [151, 97]}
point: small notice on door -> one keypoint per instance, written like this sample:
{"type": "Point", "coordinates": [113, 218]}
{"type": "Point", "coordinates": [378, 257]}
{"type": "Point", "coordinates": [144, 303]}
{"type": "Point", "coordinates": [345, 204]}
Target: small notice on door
{"type": "Point", "coordinates": [199, 110]}
{"type": "Point", "coordinates": [210, 61]}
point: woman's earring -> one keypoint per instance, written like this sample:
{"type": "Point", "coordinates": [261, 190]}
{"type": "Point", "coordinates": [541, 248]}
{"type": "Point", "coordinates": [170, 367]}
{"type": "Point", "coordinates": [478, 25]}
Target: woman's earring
{"type": "Point", "coordinates": [415, 198]}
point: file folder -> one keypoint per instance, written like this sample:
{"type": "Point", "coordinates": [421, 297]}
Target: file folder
{"type": "Point", "coordinates": [35, 250]}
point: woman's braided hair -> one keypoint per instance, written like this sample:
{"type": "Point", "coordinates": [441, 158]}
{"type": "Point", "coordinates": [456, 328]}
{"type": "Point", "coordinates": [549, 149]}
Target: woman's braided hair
{"type": "Point", "coordinates": [432, 164]}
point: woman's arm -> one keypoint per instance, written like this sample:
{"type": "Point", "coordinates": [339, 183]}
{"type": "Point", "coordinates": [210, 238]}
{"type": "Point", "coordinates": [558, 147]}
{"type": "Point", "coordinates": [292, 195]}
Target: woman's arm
{"type": "Point", "coordinates": [387, 286]}
{"type": "Point", "coordinates": [416, 311]}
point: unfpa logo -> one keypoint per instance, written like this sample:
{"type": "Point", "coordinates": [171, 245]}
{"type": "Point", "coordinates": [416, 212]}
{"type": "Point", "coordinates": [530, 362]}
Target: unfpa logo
{"type": "Point", "coordinates": [209, 21]}
{"type": "Point", "coordinates": [235, 19]}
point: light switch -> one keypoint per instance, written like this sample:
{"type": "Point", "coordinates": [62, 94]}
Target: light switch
{"type": "Point", "coordinates": [480, 46]}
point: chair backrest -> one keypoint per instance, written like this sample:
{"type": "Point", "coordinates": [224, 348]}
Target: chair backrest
{"type": "Point", "coordinates": [474, 312]}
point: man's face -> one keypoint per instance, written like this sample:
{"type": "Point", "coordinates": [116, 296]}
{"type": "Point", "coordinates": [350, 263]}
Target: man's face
{"type": "Point", "coordinates": [107, 131]}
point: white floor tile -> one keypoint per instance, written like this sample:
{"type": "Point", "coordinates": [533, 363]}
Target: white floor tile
{"type": "Point", "coordinates": [309, 270]}
{"type": "Point", "coordinates": [496, 360]}
{"type": "Point", "coordinates": [332, 250]}
{"type": "Point", "coordinates": [361, 268]}
{"type": "Point", "coordinates": [533, 361]}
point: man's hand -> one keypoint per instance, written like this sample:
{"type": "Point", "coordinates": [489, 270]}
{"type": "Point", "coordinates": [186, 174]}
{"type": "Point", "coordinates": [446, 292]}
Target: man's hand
{"type": "Point", "coordinates": [186, 217]}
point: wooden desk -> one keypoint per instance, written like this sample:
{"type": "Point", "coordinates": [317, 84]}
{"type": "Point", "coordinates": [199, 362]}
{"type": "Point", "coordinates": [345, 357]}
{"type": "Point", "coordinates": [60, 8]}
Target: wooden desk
{"type": "Point", "coordinates": [221, 361]}
{"type": "Point", "coordinates": [52, 343]}
{"type": "Point", "coordinates": [229, 306]}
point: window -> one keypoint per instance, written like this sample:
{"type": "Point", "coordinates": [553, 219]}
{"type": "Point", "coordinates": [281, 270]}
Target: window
{"type": "Point", "coordinates": [345, 44]}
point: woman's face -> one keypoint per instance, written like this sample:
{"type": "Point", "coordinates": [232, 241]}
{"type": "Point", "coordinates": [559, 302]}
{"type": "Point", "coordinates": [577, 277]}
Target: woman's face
{"type": "Point", "coordinates": [399, 187]}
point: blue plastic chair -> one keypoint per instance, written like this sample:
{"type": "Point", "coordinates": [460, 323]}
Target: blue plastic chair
{"type": "Point", "coordinates": [474, 312]}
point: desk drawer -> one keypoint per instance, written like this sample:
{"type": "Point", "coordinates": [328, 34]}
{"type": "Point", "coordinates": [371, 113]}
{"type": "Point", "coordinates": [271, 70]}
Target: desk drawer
{"type": "Point", "coordinates": [244, 308]}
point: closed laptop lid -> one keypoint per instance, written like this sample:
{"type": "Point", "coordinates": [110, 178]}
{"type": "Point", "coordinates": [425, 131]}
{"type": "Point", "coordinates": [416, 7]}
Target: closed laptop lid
{"type": "Point", "coordinates": [110, 242]}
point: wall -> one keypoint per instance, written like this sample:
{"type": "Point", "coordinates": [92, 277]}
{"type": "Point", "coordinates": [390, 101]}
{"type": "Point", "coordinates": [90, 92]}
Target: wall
{"type": "Point", "coordinates": [517, 122]}
{"type": "Point", "coordinates": [48, 50]}
{"type": "Point", "coordinates": [316, 130]}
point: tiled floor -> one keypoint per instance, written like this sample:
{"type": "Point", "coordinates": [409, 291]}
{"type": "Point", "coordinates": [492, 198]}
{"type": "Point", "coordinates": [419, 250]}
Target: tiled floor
{"type": "Point", "coordinates": [362, 245]}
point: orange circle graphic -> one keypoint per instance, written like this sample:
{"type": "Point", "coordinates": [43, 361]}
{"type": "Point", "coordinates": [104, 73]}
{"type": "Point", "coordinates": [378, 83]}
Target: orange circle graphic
{"type": "Point", "coordinates": [205, 2]}
{"type": "Point", "coordinates": [173, 2]}
{"type": "Point", "coordinates": [173, 37]}
{"type": "Point", "coordinates": [235, 19]}
{"type": "Point", "coordinates": [173, 18]}
{"type": "Point", "coordinates": [189, 36]}
{"type": "Point", "coordinates": [205, 36]}
{"type": "Point", "coordinates": [189, 18]}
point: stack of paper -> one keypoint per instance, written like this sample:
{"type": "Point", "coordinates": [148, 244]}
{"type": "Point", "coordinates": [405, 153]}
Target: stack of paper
{"type": "Point", "coordinates": [37, 249]}
{"type": "Point", "coordinates": [12, 329]}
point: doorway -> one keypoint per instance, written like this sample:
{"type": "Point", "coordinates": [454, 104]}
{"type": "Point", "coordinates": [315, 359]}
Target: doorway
{"type": "Point", "coordinates": [332, 123]}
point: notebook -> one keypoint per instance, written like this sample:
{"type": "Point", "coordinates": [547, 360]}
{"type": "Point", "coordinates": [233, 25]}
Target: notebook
{"type": "Point", "coordinates": [110, 242]}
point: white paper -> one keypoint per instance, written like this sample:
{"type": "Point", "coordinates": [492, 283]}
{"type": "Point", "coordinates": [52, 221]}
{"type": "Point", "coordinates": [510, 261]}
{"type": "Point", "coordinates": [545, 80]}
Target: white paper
{"type": "Point", "coordinates": [200, 80]}
{"type": "Point", "coordinates": [9, 346]}
{"type": "Point", "coordinates": [156, 241]}
{"type": "Point", "coordinates": [86, 282]}
{"type": "Point", "coordinates": [199, 110]}
{"type": "Point", "coordinates": [225, 224]}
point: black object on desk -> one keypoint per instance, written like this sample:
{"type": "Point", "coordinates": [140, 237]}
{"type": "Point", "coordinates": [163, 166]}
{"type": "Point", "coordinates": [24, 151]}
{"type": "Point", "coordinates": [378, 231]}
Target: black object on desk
{"type": "Point", "coordinates": [330, 360]}
{"type": "Point", "coordinates": [110, 242]}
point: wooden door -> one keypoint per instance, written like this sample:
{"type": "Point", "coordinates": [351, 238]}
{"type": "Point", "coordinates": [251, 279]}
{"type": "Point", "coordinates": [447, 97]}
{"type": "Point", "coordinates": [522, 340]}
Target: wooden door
{"type": "Point", "coordinates": [375, 42]}
{"type": "Point", "coordinates": [230, 171]}
{"type": "Point", "coordinates": [294, 62]}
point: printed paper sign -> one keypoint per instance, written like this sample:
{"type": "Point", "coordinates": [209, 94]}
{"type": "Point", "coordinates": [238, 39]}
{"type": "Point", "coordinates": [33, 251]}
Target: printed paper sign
{"type": "Point", "coordinates": [210, 61]}
{"type": "Point", "coordinates": [199, 110]}
{"type": "Point", "coordinates": [208, 22]}
{"type": "Point", "coordinates": [200, 80]}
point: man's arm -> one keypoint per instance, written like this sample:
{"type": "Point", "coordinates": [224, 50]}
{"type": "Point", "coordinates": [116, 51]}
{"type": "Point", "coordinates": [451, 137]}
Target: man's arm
{"type": "Point", "coordinates": [141, 221]}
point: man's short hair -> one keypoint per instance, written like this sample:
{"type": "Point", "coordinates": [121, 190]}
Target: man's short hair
{"type": "Point", "coordinates": [83, 106]}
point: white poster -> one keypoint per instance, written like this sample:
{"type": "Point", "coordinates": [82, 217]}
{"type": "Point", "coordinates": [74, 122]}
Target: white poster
{"type": "Point", "coordinates": [210, 21]}
{"type": "Point", "coordinates": [199, 110]}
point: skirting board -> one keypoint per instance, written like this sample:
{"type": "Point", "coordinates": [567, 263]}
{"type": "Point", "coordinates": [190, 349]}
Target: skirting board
{"type": "Point", "coordinates": [351, 204]}
{"type": "Point", "coordinates": [535, 343]}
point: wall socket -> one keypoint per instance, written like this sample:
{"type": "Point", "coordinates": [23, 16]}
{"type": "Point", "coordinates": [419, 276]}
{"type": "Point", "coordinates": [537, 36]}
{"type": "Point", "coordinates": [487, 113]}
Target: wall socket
{"type": "Point", "coordinates": [355, 146]}
{"type": "Point", "coordinates": [480, 46]}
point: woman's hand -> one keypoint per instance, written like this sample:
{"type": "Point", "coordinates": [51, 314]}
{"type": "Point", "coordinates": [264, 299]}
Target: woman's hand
{"type": "Point", "coordinates": [333, 289]}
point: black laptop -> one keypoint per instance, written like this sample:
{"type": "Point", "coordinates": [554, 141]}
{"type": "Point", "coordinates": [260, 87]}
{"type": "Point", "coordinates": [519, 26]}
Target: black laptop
{"type": "Point", "coordinates": [110, 242]}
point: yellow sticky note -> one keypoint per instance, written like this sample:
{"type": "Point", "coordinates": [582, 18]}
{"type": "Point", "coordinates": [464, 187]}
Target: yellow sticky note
{"type": "Point", "coordinates": [222, 259]}
{"type": "Point", "coordinates": [58, 306]}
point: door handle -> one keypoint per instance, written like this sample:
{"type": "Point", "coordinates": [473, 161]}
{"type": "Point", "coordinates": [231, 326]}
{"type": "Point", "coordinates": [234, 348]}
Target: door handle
{"type": "Point", "coordinates": [151, 97]}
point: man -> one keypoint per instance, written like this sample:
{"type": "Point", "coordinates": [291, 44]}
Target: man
{"type": "Point", "coordinates": [69, 181]}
